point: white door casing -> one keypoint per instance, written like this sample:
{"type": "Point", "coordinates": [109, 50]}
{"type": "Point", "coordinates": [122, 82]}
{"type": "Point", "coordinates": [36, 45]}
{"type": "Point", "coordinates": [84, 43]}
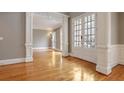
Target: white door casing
{"type": "Point", "coordinates": [28, 42]}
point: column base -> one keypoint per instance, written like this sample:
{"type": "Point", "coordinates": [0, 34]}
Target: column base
{"type": "Point", "coordinates": [103, 70]}
{"type": "Point", "coordinates": [28, 59]}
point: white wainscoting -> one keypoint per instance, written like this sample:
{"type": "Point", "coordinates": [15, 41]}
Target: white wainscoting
{"type": "Point", "coordinates": [121, 54]}
{"type": "Point", "coordinates": [85, 54]}
{"type": "Point", "coordinates": [117, 54]}
{"type": "Point", "coordinates": [12, 61]}
{"type": "Point", "coordinates": [103, 59]}
{"type": "Point", "coordinates": [114, 54]}
{"type": "Point", "coordinates": [87, 58]}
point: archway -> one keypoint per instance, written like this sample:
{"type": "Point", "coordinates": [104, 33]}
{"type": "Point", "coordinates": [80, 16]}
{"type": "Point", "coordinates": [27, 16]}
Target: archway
{"type": "Point", "coordinates": [29, 38]}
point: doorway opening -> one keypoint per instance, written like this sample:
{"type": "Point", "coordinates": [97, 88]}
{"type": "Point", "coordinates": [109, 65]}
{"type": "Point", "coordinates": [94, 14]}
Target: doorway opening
{"type": "Point", "coordinates": [46, 30]}
{"type": "Point", "coordinates": [57, 39]}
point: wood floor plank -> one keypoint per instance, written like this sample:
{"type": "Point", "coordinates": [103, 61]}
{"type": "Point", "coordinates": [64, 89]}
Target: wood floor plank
{"type": "Point", "coordinates": [49, 65]}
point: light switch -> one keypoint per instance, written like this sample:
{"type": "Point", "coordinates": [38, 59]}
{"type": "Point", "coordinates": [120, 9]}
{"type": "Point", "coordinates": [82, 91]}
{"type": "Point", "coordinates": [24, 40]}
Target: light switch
{"type": "Point", "coordinates": [1, 38]}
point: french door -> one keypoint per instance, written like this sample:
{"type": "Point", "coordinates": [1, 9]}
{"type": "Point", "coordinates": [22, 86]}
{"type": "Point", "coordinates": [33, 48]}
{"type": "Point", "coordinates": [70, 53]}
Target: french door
{"type": "Point", "coordinates": [84, 37]}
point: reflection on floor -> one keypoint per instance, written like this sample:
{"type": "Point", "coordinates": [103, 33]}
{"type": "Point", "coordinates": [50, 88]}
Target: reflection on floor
{"type": "Point", "coordinates": [50, 65]}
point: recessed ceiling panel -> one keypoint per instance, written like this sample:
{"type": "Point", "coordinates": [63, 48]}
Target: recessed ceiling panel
{"type": "Point", "coordinates": [45, 22]}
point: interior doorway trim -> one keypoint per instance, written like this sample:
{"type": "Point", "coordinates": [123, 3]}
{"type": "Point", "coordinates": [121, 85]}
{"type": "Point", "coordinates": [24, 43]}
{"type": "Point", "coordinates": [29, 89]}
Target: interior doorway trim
{"type": "Point", "coordinates": [29, 37]}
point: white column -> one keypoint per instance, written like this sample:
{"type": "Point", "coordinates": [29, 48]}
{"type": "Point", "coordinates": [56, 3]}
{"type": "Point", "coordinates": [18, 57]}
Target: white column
{"type": "Point", "coordinates": [65, 36]}
{"type": "Point", "coordinates": [28, 43]}
{"type": "Point", "coordinates": [104, 43]}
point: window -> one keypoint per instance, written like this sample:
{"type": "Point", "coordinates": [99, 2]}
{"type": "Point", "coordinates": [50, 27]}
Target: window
{"type": "Point", "coordinates": [89, 31]}
{"type": "Point", "coordinates": [77, 32]}
{"type": "Point", "coordinates": [85, 31]}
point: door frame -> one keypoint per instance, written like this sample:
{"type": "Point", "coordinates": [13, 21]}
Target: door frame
{"type": "Point", "coordinates": [29, 33]}
{"type": "Point", "coordinates": [88, 54]}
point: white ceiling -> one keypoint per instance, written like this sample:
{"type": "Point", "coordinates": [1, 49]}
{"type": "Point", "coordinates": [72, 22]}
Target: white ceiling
{"type": "Point", "coordinates": [45, 22]}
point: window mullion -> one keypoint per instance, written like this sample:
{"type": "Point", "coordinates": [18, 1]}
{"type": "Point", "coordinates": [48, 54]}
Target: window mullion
{"type": "Point", "coordinates": [84, 29]}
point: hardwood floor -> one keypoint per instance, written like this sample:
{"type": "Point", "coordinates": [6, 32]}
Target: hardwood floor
{"type": "Point", "coordinates": [51, 66]}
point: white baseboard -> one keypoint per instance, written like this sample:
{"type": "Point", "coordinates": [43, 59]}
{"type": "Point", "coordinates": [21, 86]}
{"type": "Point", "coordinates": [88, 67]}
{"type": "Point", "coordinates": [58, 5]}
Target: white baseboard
{"type": "Point", "coordinates": [117, 54]}
{"type": "Point", "coordinates": [121, 62]}
{"type": "Point", "coordinates": [12, 61]}
{"type": "Point", "coordinates": [56, 49]}
{"type": "Point", "coordinates": [70, 54]}
{"type": "Point", "coordinates": [87, 58]}
{"type": "Point", "coordinates": [103, 70]}
{"type": "Point", "coordinates": [114, 53]}
{"type": "Point", "coordinates": [41, 47]}
{"type": "Point", "coordinates": [121, 54]}
{"type": "Point", "coordinates": [28, 59]}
